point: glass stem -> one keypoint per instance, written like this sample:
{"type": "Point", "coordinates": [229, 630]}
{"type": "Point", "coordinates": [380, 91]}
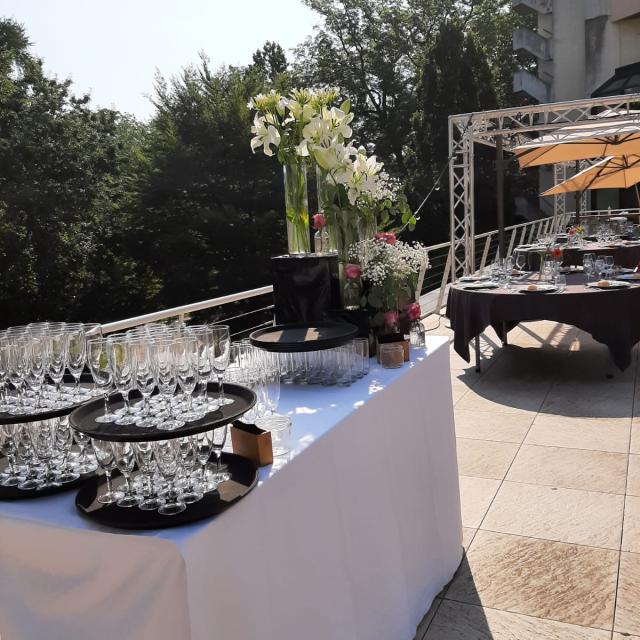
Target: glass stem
{"type": "Point", "coordinates": [125, 397]}
{"type": "Point", "coordinates": [205, 392]}
{"type": "Point", "coordinates": [107, 475]}
{"type": "Point", "coordinates": [106, 403]}
{"type": "Point", "coordinates": [220, 387]}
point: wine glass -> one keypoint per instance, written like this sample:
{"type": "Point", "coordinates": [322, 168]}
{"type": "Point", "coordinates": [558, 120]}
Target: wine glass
{"type": "Point", "coordinates": [18, 366]}
{"type": "Point", "coordinates": [125, 460]}
{"type": "Point", "coordinates": [77, 352]}
{"type": "Point", "coordinates": [106, 461]}
{"type": "Point", "coordinates": [122, 362]}
{"type": "Point", "coordinates": [203, 445]}
{"type": "Point", "coordinates": [11, 476]}
{"type": "Point", "coordinates": [521, 261]}
{"type": "Point", "coordinates": [144, 457]}
{"type": "Point", "coordinates": [56, 342]}
{"type": "Point", "coordinates": [188, 459]}
{"type": "Point", "coordinates": [168, 461]}
{"type": "Point", "coordinates": [43, 440]}
{"type": "Point", "coordinates": [219, 437]}
{"type": "Point", "coordinates": [4, 376]}
{"type": "Point", "coordinates": [36, 369]}
{"type": "Point", "coordinates": [63, 441]}
{"type": "Point", "coordinates": [98, 361]}
{"type": "Point", "coordinates": [185, 358]}
{"type": "Point", "coordinates": [204, 344]}
{"type": "Point", "coordinates": [220, 358]}
{"type": "Point", "coordinates": [167, 382]}
{"type": "Point", "coordinates": [145, 380]}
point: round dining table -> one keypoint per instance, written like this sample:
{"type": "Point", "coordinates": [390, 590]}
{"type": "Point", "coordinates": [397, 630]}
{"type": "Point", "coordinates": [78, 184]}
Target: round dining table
{"type": "Point", "coordinates": [626, 253]}
{"type": "Point", "coordinates": [611, 316]}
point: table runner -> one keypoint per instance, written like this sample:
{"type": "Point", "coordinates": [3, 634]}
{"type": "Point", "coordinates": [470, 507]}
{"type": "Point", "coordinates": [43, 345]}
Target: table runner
{"type": "Point", "coordinates": [611, 317]}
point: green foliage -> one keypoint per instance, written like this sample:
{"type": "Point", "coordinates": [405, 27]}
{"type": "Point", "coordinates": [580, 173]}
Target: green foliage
{"type": "Point", "coordinates": [103, 217]}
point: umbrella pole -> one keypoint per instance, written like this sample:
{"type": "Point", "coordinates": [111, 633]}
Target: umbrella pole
{"type": "Point", "coordinates": [637, 193]}
{"type": "Point", "coordinates": [500, 195]}
{"type": "Point", "coordinates": [578, 195]}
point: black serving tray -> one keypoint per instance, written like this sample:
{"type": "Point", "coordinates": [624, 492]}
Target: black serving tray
{"type": "Point", "coordinates": [296, 338]}
{"type": "Point", "coordinates": [83, 418]}
{"type": "Point", "coordinates": [8, 418]}
{"type": "Point", "coordinates": [13, 493]}
{"type": "Point", "coordinates": [244, 476]}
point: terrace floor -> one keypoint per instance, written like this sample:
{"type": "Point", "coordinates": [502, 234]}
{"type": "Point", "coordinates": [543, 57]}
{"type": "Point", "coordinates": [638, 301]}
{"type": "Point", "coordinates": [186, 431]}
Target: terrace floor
{"type": "Point", "coordinates": [548, 441]}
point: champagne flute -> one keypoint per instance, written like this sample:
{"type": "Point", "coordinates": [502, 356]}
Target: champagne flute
{"type": "Point", "coordinates": [98, 361]}
{"type": "Point", "coordinates": [106, 461]}
{"type": "Point", "coordinates": [220, 358]}
{"type": "Point", "coordinates": [122, 363]}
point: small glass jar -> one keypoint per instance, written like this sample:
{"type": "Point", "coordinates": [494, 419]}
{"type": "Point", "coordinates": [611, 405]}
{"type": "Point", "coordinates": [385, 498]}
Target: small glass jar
{"type": "Point", "coordinates": [351, 295]}
{"type": "Point", "coordinates": [321, 241]}
{"type": "Point", "coordinates": [416, 334]}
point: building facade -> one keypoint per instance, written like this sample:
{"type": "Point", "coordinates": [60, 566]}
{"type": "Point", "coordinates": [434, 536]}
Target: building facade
{"type": "Point", "coordinates": [577, 46]}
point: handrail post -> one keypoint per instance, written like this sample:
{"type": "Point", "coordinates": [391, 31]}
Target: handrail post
{"type": "Point", "coordinates": [485, 253]}
{"type": "Point", "coordinates": [443, 283]}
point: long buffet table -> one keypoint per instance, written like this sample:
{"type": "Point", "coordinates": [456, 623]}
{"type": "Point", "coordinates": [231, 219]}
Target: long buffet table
{"type": "Point", "coordinates": [350, 538]}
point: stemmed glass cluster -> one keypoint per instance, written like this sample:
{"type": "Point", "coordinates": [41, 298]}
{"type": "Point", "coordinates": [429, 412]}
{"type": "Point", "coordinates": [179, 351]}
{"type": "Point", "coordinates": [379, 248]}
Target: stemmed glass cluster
{"type": "Point", "coordinates": [169, 365]}
{"type": "Point", "coordinates": [165, 475]}
{"type": "Point", "coordinates": [39, 455]}
{"type": "Point", "coordinates": [33, 362]}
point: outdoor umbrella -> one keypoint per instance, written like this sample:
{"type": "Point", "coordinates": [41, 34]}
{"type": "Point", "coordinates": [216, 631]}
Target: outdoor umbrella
{"type": "Point", "coordinates": [609, 173]}
{"type": "Point", "coordinates": [595, 139]}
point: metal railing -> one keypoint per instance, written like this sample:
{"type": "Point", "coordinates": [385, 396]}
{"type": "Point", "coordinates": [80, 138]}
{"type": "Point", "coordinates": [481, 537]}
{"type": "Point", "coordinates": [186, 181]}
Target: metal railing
{"type": "Point", "coordinates": [232, 309]}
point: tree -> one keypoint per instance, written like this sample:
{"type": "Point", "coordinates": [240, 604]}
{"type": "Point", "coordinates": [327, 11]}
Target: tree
{"type": "Point", "coordinates": [271, 60]}
{"type": "Point", "coordinates": [63, 190]}
{"type": "Point", "coordinates": [209, 215]}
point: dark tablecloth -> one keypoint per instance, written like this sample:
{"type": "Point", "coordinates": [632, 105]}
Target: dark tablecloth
{"type": "Point", "coordinates": [623, 256]}
{"type": "Point", "coordinates": [611, 317]}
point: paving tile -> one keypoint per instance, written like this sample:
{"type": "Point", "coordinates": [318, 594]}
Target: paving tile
{"type": "Point", "coordinates": [571, 468]}
{"type": "Point", "coordinates": [476, 495]}
{"type": "Point", "coordinates": [590, 400]}
{"type": "Point", "coordinates": [631, 530]}
{"type": "Point", "coordinates": [484, 425]}
{"type": "Point", "coordinates": [635, 435]}
{"type": "Point", "coordinates": [628, 602]}
{"type": "Point", "coordinates": [467, 536]}
{"type": "Point", "coordinates": [509, 399]}
{"type": "Point", "coordinates": [484, 459]}
{"type": "Point", "coordinates": [564, 515]}
{"type": "Point", "coordinates": [564, 582]}
{"type": "Point", "coordinates": [458, 621]}
{"type": "Point", "coordinates": [633, 477]}
{"type": "Point", "coordinates": [580, 433]}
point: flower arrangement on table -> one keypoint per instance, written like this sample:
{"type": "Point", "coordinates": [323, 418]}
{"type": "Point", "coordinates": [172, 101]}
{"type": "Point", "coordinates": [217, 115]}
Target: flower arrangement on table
{"type": "Point", "coordinates": [389, 274]}
{"type": "Point", "coordinates": [575, 233]}
{"type": "Point", "coordinates": [355, 196]}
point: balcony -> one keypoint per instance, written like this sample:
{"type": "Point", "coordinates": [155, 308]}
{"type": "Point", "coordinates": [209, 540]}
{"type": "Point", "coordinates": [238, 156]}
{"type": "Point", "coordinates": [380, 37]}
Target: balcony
{"type": "Point", "coordinates": [525, 82]}
{"type": "Point", "coordinates": [533, 43]}
{"type": "Point", "coordinates": [539, 6]}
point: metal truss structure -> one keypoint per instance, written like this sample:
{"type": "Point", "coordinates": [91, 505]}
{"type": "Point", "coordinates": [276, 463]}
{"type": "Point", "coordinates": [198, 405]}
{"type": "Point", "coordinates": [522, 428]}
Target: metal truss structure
{"type": "Point", "coordinates": [515, 126]}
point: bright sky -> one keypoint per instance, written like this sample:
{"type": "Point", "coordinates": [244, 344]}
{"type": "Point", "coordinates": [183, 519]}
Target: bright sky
{"type": "Point", "coordinates": [113, 47]}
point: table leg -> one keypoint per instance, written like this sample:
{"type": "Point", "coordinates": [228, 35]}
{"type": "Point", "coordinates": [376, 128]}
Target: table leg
{"type": "Point", "coordinates": [505, 337]}
{"type": "Point", "coordinates": [477, 345]}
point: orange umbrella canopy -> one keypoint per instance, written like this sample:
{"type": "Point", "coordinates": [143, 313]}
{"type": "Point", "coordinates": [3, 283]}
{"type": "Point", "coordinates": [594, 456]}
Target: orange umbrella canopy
{"type": "Point", "coordinates": [593, 139]}
{"type": "Point", "coordinates": [609, 173]}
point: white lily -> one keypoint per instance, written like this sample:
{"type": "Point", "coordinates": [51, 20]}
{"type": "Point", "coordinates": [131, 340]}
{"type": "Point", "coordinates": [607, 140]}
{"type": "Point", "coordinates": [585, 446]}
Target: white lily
{"type": "Point", "coordinates": [265, 135]}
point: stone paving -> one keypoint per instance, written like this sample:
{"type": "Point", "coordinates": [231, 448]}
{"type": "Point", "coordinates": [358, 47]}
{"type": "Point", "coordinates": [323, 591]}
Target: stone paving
{"type": "Point", "coordinates": [548, 440]}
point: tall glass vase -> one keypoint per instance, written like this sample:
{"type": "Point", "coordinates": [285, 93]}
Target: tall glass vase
{"type": "Point", "coordinates": [297, 206]}
{"type": "Point", "coordinates": [324, 200]}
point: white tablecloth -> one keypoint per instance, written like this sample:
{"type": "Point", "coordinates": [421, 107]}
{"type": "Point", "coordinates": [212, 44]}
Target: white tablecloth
{"type": "Point", "coordinates": [351, 538]}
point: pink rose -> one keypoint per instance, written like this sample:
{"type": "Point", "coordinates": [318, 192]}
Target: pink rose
{"type": "Point", "coordinates": [319, 221]}
{"type": "Point", "coordinates": [352, 271]}
{"type": "Point", "coordinates": [386, 236]}
{"type": "Point", "coordinates": [413, 311]}
{"type": "Point", "coordinates": [391, 318]}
